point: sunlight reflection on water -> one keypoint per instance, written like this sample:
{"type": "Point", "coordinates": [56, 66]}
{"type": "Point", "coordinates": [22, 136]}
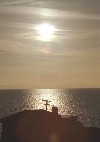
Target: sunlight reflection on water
{"type": "Point", "coordinates": [57, 98]}
{"type": "Point", "coordinates": [84, 103]}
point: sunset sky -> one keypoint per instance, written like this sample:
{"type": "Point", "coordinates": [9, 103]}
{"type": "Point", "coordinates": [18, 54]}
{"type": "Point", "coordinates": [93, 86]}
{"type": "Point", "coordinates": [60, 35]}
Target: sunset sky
{"type": "Point", "coordinates": [70, 59]}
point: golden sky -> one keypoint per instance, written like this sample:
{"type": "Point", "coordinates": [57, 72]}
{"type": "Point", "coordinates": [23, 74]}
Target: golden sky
{"type": "Point", "coordinates": [71, 59]}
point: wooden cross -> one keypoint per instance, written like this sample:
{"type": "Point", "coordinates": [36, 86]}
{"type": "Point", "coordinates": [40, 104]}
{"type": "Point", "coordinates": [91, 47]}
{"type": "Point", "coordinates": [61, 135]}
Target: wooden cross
{"type": "Point", "coordinates": [46, 103]}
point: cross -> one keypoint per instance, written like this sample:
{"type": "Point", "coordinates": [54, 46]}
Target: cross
{"type": "Point", "coordinates": [46, 103]}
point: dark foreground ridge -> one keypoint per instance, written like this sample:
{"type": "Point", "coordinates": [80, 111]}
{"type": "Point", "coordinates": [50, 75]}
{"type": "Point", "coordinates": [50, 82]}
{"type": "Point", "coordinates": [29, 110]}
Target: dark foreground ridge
{"type": "Point", "coordinates": [45, 126]}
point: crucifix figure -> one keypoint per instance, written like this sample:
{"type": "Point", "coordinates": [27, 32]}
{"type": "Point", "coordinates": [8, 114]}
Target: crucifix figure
{"type": "Point", "coordinates": [46, 103]}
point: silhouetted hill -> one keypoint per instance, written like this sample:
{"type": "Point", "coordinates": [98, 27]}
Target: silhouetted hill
{"type": "Point", "coordinates": [45, 126]}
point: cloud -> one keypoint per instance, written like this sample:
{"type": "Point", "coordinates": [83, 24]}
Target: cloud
{"type": "Point", "coordinates": [49, 12]}
{"type": "Point", "coordinates": [13, 2]}
{"type": "Point", "coordinates": [74, 56]}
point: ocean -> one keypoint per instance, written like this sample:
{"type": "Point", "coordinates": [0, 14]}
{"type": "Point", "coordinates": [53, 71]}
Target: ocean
{"type": "Point", "coordinates": [84, 103]}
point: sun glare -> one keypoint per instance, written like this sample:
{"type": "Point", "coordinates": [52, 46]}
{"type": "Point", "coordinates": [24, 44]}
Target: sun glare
{"type": "Point", "coordinates": [46, 31]}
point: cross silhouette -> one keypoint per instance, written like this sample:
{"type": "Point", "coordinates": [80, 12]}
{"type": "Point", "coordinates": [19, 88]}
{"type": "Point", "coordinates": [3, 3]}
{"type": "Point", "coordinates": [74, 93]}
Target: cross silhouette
{"type": "Point", "coordinates": [46, 103]}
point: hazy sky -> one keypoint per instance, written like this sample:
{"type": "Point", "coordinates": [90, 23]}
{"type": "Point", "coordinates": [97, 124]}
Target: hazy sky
{"type": "Point", "coordinates": [71, 59]}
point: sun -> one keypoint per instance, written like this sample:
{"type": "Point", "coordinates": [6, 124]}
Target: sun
{"type": "Point", "coordinates": [46, 31]}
